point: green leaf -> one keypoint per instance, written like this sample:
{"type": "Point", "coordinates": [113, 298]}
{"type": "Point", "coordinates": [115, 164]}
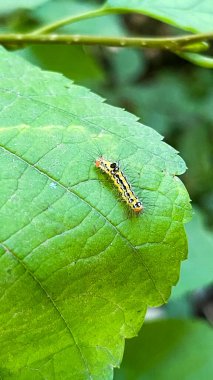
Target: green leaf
{"type": "Point", "coordinates": [191, 15]}
{"type": "Point", "coordinates": [169, 349]}
{"type": "Point", "coordinates": [77, 272]}
{"type": "Point", "coordinates": [196, 47]}
{"type": "Point", "coordinates": [75, 62]}
{"type": "Point", "coordinates": [197, 271]}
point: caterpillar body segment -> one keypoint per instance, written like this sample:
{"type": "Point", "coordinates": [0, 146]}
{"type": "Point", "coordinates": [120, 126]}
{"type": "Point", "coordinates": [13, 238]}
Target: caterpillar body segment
{"type": "Point", "coordinates": [120, 181]}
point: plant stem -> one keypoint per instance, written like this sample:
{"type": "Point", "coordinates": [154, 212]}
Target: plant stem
{"type": "Point", "coordinates": [169, 43]}
{"type": "Point", "coordinates": [71, 19]}
{"type": "Point", "coordinates": [103, 11]}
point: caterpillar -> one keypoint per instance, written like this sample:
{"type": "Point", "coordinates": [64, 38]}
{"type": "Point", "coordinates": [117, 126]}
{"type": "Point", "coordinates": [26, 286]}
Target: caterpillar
{"type": "Point", "coordinates": [120, 181]}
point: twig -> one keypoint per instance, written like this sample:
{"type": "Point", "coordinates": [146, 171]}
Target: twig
{"type": "Point", "coordinates": [169, 43]}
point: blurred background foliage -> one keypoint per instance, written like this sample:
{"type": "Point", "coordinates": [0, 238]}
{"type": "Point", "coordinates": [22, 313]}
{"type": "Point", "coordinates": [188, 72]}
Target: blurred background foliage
{"type": "Point", "coordinates": [175, 98]}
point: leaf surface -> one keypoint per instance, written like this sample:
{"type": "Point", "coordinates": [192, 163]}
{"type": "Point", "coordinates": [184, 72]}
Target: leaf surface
{"type": "Point", "coordinates": [76, 271]}
{"type": "Point", "coordinates": [191, 15]}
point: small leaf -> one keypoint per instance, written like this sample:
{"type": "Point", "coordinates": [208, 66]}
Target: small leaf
{"type": "Point", "coordinates": [197, 47]}
{"type": "Point", "coordinates": [77, 273]}
{"type": "Point", "coordinates": [197, 59]}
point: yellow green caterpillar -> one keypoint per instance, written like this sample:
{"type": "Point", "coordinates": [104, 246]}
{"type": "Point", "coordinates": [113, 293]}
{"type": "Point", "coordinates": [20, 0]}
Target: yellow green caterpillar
{"type": "Point", "coordinates": [120, 181]}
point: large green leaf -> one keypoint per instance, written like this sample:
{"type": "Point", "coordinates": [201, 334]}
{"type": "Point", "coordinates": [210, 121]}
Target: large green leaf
{"type": "Point", "coordinates": [169, 349]}
{"type": "Point", "coordinates": [77, 272]}
{"type": "Point", "coordinates": [192, 15]}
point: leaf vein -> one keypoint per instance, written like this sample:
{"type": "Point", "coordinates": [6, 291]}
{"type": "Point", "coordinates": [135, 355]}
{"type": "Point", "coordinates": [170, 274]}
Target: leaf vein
{"type": "Point", "coordinates": [71, 191]}
{"type": "Point", "coordinates": [52, 302]}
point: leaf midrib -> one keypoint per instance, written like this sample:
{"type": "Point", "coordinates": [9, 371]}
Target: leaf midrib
{"type": "Point", "coordinates": [48, 296]}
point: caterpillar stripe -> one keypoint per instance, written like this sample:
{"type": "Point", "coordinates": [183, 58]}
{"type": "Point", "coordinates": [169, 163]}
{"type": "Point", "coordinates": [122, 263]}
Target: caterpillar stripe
{"type": "Point", "coordinates": [120, 181]}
